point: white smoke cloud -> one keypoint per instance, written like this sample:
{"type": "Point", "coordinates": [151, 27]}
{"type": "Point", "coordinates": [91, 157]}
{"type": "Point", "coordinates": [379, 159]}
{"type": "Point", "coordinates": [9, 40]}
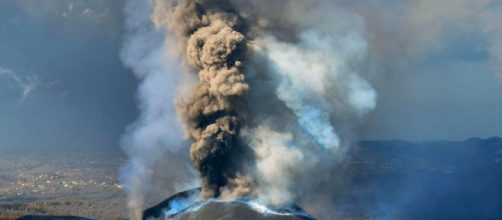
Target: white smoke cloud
{"type": "Point", "coordinates": [315, 75]}
{"type": "Point", "coordinates": [318, 79]}
{"type": "Point", "coordinates": [157, 133]}
{"type": "Point", "coordinates": [278, 162]}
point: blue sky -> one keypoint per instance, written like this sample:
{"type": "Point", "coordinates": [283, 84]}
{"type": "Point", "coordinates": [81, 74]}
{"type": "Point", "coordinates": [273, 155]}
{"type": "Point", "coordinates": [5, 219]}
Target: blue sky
{"type": "Point", "coordinates": [434, 66]}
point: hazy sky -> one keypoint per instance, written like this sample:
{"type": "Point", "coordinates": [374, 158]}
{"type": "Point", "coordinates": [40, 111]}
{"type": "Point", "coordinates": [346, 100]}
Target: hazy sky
{"type": "Point", "coordinates": [62, 83]}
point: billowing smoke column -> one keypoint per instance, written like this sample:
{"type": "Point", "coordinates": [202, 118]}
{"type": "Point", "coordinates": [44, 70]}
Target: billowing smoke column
{"type": "Point", "coordinates": [210, 31]}
{"type": "Point", "coordinates": [274, 93]}
{"type": "Point", "coordinates": [157, 132]}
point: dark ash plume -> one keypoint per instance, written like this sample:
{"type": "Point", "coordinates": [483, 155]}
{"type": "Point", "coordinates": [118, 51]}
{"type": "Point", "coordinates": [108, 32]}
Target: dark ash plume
{"type": "Point", "coordinates": [211, 36]}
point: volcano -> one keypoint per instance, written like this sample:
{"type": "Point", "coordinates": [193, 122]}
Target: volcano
{"type": "Point", "coordinates": [187, 206]}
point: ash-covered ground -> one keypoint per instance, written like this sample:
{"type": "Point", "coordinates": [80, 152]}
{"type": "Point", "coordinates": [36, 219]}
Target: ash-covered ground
{"type": "Point", "coordinates": [187, 205]}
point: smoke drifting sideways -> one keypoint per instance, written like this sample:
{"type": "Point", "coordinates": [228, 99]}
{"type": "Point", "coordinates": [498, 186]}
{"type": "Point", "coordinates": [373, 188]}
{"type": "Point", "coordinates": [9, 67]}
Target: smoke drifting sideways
{"type": "Point", "coordinates": [306, 76]}
{"type": "Point", "coordinates": [269, 93]}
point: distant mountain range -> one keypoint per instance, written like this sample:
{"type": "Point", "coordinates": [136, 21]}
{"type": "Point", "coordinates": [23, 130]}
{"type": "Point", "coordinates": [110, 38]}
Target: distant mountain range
{"type": "Point", "coordinates": [471, 141]}
{"type": "Point", "coordinates": [394, 179]}
{"type": "Point", "coordinates": [471, 152]}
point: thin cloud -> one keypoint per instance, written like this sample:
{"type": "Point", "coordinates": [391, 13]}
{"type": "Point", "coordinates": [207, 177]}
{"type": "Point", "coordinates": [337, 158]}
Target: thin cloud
{"type": "Point", "coordinates": [27, 85]}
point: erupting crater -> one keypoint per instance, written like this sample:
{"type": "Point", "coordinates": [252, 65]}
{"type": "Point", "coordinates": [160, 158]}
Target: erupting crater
{"type": "Point", "coordinates": [188, 206]}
